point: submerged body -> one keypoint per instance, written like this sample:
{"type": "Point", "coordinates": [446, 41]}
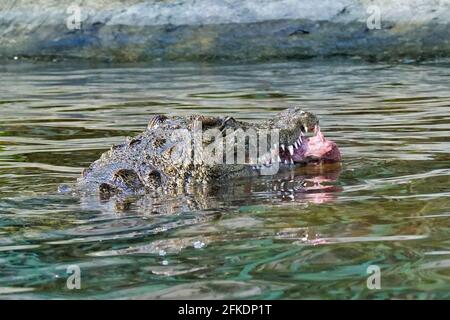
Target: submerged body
{"type": "Point", "coordinates": [177, 151]}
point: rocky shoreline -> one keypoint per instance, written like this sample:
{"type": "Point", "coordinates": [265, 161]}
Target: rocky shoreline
{"type": "Point", "coordinates": [189, 30]}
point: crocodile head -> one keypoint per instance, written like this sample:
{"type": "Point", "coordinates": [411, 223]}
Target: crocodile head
{"type": "Point", "coordinates": [176, 152]}
{"type": "Point", "coordinates": [301, 140]}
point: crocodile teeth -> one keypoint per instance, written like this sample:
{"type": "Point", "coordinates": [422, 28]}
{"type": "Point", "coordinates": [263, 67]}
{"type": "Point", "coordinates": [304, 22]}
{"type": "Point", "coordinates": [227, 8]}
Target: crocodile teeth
{"type": "Point", "coordinates": [291, 150]}
{"type": "Point", "coordinates": [292, 161]}
{"type": "Point", "coordinates": [285, 161]}
{"type": "Point", "coordinates": [300, 139]}
{"type": "Point", "coordinates": [295, 145]}
{"type": "Point", "coordinates": [279, 159]}
{"type": "Point", "coordinates": [282, 147]}
{"type": "Point", "coordinates": [306, 129]}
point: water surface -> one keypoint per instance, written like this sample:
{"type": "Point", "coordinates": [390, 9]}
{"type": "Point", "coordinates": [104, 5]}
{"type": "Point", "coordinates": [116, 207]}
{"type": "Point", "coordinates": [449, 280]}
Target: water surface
{"type": "Point", "coordinates": [312, 237]}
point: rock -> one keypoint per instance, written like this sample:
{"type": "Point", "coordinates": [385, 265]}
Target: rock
{"type": "Point", "coordinates": [137, 30]}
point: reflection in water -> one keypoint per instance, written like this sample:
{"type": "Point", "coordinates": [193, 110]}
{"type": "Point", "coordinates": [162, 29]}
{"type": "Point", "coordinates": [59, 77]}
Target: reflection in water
{"type": "Point", "coordinates": [306, 233]}
{"type": "Point", "coordinates": [311, 184]}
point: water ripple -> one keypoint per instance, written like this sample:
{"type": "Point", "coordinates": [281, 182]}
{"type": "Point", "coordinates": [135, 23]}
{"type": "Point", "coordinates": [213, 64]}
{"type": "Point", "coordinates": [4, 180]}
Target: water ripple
{"type": "Point", "coordinates": [305, 234]}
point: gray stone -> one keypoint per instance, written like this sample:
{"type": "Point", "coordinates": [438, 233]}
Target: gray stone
{"type": "Point", "coordinates": [133, 30]}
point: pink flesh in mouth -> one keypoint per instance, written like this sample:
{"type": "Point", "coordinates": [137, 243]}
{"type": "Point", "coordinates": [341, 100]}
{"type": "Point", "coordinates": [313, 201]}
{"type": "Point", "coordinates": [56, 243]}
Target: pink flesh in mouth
{"type": "Point", "coordinates": [317, 148]}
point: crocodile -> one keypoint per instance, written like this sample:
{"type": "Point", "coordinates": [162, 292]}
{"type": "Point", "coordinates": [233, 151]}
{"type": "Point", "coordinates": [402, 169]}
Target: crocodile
{"type": "Point", "coordinates": [185, 151]}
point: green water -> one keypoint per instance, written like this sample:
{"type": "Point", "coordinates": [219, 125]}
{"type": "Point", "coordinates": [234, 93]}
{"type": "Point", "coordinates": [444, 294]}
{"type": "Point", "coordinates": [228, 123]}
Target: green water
{"type": "Point", "coordinates": [389, 204]}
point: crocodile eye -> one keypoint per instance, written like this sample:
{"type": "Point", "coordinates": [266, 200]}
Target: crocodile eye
{"type": "Point", "coordinates": [155, 121]}
{"type": "Point", "coordinates": [207, 121]}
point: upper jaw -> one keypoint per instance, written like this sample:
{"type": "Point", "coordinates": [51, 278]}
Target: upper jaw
{"type": "Point", "coordinates": [303, 149]}
{"type": "Point", "coordinates": [287, 152]}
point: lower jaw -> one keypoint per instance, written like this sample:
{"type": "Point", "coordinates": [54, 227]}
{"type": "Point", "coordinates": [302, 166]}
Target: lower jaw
{"type": "Point", "coordinates": [298, 163]}
{"type": "Point", "coordinates": [313, 161]}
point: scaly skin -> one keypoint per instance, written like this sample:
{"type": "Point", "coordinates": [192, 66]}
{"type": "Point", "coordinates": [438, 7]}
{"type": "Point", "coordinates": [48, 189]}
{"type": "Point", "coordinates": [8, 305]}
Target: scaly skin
{"type": "Point", "coordinates": [156, 158]}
